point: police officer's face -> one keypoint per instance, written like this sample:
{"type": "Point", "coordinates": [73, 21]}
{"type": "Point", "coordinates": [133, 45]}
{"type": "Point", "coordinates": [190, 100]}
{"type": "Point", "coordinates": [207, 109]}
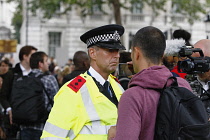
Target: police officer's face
{"type": "Point", "coordinates": [106, 60]}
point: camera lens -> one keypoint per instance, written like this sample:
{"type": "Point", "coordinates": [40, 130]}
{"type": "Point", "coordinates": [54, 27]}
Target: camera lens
{"type": "Point", "coordinates": [186, 66]}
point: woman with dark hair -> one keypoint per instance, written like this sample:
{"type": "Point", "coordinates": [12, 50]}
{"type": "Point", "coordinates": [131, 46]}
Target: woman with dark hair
{"type": "Point", "coordinates": [4, 66]}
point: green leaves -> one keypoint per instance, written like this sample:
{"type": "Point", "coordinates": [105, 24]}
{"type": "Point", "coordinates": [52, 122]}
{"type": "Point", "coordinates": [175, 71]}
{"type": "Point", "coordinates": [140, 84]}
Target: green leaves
{"type": "Point", "coordinates": [191, 9]}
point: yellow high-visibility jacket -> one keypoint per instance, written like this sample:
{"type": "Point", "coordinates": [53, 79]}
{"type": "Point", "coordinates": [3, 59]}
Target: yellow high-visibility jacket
{"type": "Point", "coordinates": [81, 112]}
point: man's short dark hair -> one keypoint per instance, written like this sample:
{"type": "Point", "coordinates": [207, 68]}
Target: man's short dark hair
{"type": "Point", "coordinates": [152, 42]}
{"type": "Point", "coordinates": [5, 61]}
{"type": "Point", "coordinates": [36, 58]}
{"type": "Point", "coordinates": [26, 50]}
{"type": "Point", "coordinates": [79, 58]}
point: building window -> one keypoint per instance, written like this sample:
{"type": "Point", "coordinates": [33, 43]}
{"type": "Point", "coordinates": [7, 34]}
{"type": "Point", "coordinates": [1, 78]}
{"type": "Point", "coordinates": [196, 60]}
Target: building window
{"type": "Point", "coordinates": [174, 8]}
{"type": "Point", "coordinates": [136, 10]}
{"type": "Point", "coordinates": [5, 33]}
{"type": "Point", "coordinates": [96, 12]}
{"type": "Point", "coordinates": [176, 17]}
{"type": "Point", "coordinates": [54, 42]}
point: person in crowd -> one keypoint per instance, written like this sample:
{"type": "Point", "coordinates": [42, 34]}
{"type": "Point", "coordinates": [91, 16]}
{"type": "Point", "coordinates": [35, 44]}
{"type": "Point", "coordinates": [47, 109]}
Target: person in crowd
{"type": "Point", "coordinates": [52, 65]}
{"type": "Point", "coordinates": [1, 81]}
{"type": "Point", "coordinates": [61, 74]}
{"type": "Point", "coordinates": [186, 36]}
{"type": "Point", "coordinates": [81, 62]}
{"type": "Point", "coordinates": [22, 68]}
{"type": "Point", "coordinates": [70, 62]}
{"type": "Point", "coordinates": [39, 66]}
{"type": "Point", "coordinates": [138, 105]}
{"type": "Point", "coordinates": [4, 66]}
{"type": "Point", "coordinates": [202, 82]}
{"type": "Point", "coordinates": [5, 74]}
{"type": "Point", "coordinates": [171, 54]}
{"type": "Point", "coordinates": [71, 68]}
{"type": "Point", "coordinates": [83, 108]}
{"type": "Point", "coordinates": [182, 34]}
{"type": "Point", "coordinates": [124, 78]}
{"type": "Point", "coordinates": [2, 134]}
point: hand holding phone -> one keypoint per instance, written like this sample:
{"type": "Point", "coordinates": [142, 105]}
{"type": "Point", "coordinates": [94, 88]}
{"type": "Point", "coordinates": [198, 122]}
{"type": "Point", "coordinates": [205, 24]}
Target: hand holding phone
{"type": "Point", "coordinates": [125, 69]}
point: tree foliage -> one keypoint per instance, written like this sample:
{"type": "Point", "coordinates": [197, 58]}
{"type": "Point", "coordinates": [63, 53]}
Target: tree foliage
{"type": "Point", "coordinates": [17, 19]}
{"type": "Point", "coordinates": [50, 7]}
{"type": "Point", "coordinates": [189, 8]}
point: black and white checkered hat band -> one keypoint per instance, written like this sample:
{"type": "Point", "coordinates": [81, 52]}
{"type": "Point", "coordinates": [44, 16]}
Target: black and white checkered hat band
{"type": "Point", "coordinates": [104, 37]}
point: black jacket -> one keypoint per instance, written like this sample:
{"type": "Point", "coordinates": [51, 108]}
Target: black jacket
{"type": "Point", "coordinates": [7, 85]}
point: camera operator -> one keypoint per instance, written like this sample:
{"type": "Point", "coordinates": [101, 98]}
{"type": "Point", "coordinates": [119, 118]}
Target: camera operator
{"type": "Point", "coordinates": [171, 57]}
{"type": "Point", "coordinates": [203, 79]}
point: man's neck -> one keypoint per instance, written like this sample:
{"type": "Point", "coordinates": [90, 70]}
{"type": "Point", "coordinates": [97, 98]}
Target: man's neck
{"type": "Point", "coordinates": [146, 65]}
{"type": "Point", "coordinates": [25, 65]}
{"type": "Point", "coordinates": [97, 69]}
{"type": "Point", "coordinates": [97, 75]}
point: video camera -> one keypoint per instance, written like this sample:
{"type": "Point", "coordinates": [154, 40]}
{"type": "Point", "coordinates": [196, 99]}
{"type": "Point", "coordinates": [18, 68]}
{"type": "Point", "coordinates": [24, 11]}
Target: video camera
{"type": "Point", "coordinates": [193, 65]}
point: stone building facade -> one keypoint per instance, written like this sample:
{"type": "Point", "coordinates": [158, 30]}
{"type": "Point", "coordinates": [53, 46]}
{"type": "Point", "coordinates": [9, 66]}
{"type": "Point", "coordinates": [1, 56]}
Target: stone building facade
{"type": "Point", "coordinates": [59, 36]}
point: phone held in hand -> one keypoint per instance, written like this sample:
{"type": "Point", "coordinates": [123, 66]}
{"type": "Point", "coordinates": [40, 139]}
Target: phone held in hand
{"type": "Point", "coordinates": [125, 69]}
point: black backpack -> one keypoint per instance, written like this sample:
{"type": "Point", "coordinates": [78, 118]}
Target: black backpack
{"type": "Point", "coordinates": [181, 115]}
{"type": "Point", "coordinates": [27, 100]}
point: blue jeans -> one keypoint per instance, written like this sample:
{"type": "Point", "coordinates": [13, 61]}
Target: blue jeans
{"type": "Point", "coordinates": [30, 134]}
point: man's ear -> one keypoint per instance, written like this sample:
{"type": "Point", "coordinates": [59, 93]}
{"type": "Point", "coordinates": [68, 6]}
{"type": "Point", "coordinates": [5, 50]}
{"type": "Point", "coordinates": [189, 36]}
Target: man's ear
{"type": "Point", "coordinates": [92, 53]}
{"type": "Point", "coordinates": [137, 53]}
{"type": "Point", "coordinates": [24, 56]}
{"type": "Point", "coordinates": [40, 64]}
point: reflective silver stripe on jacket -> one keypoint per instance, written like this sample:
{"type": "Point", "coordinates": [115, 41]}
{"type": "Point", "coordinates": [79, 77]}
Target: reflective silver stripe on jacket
{"type": "Point", "coordinates": [57, 131]}
{"type": "Point", "coordinates": [88, 104]}
{"type": "Point", "coordinates": [99, 130]}
{"type": "Point", "coordinates": [96, 127]}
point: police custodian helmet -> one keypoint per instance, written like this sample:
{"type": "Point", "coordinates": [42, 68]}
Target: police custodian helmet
{"type": "Point", "coordinates": [107, 36]}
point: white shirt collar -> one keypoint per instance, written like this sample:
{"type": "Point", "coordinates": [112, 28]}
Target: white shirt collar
{"type": "Point", "coordinates": [205, 85]}
{"type": "Point", "coordinates": [24, 71]}
{"type": "Point", "coordinates": [97, 76]}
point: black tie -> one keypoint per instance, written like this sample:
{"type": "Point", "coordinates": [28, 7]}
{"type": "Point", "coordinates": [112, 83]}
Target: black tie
{"type": "Point", "coordinates": [106, 86]}
{"type": "Point", "coordinates": [106, 89]}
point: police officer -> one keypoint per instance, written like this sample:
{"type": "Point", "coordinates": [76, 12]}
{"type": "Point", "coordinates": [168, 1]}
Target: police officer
{"type": "Point", "coordinates": [86, 107]}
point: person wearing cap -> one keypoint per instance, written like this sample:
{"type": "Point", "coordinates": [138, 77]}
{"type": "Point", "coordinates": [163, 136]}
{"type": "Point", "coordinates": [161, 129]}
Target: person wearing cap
{"type": "Point", "coordinates": [86, 106]}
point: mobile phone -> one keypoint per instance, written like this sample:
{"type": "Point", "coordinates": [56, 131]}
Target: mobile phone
{"type": "Point", "coordinates": [125, 69]}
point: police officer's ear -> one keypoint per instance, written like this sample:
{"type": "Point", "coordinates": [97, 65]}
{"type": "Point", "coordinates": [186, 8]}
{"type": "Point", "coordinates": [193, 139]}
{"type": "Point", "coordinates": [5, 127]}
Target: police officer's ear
{"type": "Point", "coordinates": [92, 53]}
